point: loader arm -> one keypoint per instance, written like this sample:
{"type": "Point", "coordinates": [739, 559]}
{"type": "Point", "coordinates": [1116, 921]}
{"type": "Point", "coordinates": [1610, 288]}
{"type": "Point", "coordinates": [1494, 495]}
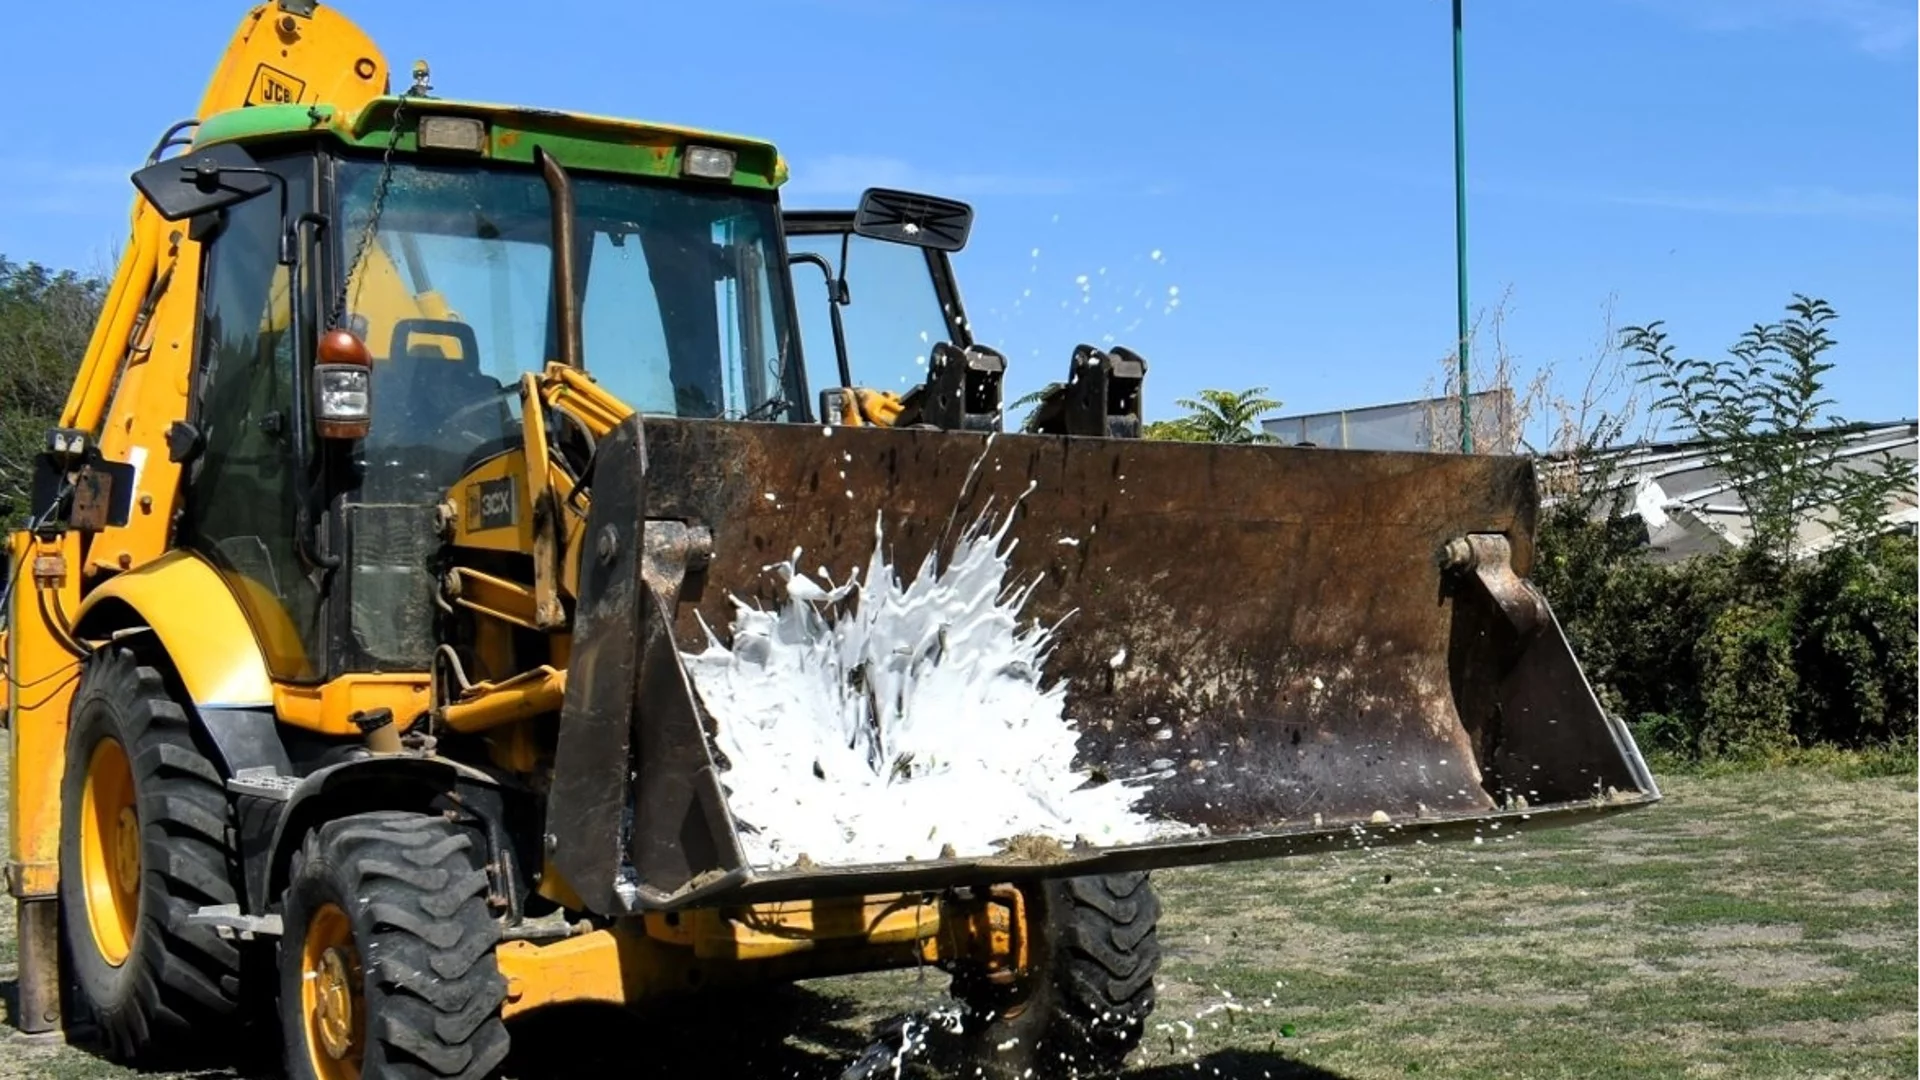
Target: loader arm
{"type": "Point", "coordinates": [283, 52]}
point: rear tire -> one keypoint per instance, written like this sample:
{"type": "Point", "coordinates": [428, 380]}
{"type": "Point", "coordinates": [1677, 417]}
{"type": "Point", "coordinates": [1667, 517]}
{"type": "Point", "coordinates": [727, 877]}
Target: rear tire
{"type": "Point", "coordinates": [143, 845]}
{"type": "Point", "coordinates": [387, 969]}
{"type": "Point", "coordinates": [1094, 951]}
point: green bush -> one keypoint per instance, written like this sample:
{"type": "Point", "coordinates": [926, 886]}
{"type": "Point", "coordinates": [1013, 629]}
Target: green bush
{"type": "Point", "coordinates": [46, 317]}
{"type": "Point", "coordinates": [1748, 686]}
{"type": "Point", "coordinates": [1763, 652]}
{"type": "Point", "coordinates": [1856, 647]}
{"type": "Point", "coordinates": [1736, 656]}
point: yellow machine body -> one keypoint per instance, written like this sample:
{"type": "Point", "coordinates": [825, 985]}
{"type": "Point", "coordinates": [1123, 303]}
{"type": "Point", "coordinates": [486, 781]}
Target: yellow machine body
{"type": "Point", "coordinates": [85, 589]}
{"type": "Point", "coordinates": [490, 692]}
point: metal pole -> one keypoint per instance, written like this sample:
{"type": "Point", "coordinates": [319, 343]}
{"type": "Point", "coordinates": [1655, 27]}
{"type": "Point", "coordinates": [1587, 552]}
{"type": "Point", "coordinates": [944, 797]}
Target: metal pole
{"type": "Point", "coordinates": [1460, 227]}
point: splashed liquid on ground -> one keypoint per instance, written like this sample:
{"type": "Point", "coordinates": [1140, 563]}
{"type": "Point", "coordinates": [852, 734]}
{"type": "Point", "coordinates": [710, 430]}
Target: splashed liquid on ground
{"type": "Point", "coordinates": [877, 721]}
{"type": "Point", "coordinates": [902, 1040]}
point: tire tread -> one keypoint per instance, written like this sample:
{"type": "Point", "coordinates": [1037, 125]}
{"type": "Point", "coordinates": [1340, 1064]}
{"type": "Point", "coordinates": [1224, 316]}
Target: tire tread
{"type": "Point", "coordinates": [183, 978]}
{"type": "Point", "coordinates": [420, 890]}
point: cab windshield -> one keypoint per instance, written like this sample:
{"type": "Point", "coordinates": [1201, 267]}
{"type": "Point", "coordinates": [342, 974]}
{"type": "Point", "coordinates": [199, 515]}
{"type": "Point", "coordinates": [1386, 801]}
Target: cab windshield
{"type": "Point", "coordinates": [452, 293]}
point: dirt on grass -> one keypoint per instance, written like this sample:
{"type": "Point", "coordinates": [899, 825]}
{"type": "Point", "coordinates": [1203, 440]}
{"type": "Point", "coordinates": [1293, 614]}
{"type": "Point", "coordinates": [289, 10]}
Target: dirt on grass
{"type": "Point", "coordinates": [1751, 926]}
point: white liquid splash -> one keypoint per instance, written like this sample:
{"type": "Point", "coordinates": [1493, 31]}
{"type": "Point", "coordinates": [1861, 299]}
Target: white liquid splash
{"type": "Point", "coordinates": [877, 722]}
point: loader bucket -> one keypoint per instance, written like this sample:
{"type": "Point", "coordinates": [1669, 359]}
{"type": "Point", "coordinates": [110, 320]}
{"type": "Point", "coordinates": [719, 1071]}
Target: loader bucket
{"type": "Point", "coordinates": [1255, 651]}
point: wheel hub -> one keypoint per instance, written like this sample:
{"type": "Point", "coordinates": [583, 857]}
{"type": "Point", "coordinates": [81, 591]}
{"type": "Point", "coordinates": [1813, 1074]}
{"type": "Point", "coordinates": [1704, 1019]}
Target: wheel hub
{"type": "Point", "coordinates": [333, 1011]}
{"type": "Point", "coordinates": [331, 996]}
{"type": "Point", "coordinates": [109, 869]}
{"type": "Point", "coordinates": [126, 853]}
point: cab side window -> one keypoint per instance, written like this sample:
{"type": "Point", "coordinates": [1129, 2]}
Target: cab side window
{"type": "Point", "coordinates": [892, 324]}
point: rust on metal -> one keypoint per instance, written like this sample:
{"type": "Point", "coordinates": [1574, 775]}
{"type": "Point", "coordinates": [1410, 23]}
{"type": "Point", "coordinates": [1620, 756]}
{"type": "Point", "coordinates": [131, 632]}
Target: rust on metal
{"type": "Point", "coordinates": [1279, 608]}
{"type": "Point", "coordinates": [36, 1004]}
{"type": "Point", "coordinates": [1300, 670]}
{"type": "Point", "coordinates": [92, 500]}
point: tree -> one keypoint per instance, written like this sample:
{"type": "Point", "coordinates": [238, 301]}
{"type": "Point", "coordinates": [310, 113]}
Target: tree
{"type": "Point", "coordinates": [1222, 416]}
{"type": "Point", "coordinates": [1032, 421]}
{"type": "Point", "coordinates": [46, 318]}
{"type": "Point", "coordinates": [1759, 411]}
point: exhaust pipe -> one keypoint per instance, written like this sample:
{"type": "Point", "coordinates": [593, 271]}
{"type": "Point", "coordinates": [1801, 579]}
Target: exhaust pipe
{"type": "Point", "coordinates": [566, 297]}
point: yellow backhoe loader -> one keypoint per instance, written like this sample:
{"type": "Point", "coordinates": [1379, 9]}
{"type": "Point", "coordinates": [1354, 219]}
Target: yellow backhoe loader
{"type": "Point", "coordinates": [428, 613]}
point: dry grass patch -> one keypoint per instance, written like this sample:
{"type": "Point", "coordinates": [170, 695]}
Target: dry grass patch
{"type": "Point", "coordinates": [1757, 927]}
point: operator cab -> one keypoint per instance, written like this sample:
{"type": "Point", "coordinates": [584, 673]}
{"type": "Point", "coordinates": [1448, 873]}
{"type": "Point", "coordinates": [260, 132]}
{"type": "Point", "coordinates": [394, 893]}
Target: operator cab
{"type": "Point", "coordinates": [431, 282]}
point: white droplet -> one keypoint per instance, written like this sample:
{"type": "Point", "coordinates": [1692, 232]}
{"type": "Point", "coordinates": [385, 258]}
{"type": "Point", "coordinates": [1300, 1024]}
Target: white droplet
{"type": "Point", "coordinates": [1155, 256]}
{"type": "Point", "coordinates": [1173, 290]}
{"type": "Point", "coordinates": [1036, 253]}
{"type": "Point", "coordinates": [1081, 280]}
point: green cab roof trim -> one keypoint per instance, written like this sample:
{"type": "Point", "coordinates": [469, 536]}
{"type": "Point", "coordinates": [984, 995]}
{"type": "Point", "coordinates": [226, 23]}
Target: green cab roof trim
{"type": "Point", "coordinates": [577, 140]}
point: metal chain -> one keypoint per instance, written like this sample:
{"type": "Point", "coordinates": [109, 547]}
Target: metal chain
{"type": "Point", "coordinates": [373, 219]}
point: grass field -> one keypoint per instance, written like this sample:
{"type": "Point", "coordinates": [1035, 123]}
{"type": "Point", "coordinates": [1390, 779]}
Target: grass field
{"type": "Point", "coordinates": [1752, 926]}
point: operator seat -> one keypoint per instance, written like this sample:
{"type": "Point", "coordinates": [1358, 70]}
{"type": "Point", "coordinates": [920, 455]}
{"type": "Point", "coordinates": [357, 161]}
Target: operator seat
{"type": "Point", "coordinates": [417, 390]}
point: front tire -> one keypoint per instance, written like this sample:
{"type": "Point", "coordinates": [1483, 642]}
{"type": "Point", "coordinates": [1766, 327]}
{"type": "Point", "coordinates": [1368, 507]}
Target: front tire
{"type": "Point", "coordinates": [1094, 950]}
{"type": "Point", "coordinates": [143, 845]}
{"type": "Point", "coordinates": [387, 969]}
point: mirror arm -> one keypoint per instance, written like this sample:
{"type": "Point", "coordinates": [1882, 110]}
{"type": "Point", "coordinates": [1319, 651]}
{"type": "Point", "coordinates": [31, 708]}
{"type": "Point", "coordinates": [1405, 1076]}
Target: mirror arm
{"type": "Point", "coordinates": [174, 136]}
{"type": "Point", "coordinates": [836, 296]}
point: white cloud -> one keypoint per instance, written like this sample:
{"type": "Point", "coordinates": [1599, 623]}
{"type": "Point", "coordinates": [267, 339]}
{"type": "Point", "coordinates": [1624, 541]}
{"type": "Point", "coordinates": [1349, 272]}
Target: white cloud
{"type": "Point", "coordinates": [850, 174]}
{"type": "Point", "coordinates": [1781, 202]}
{"type": "Point", "coordinates": [1878, 27]}
{"type": "Point", "coordinates": [43, 188]}
{"type": "Point", "coordinates": [35, 172]}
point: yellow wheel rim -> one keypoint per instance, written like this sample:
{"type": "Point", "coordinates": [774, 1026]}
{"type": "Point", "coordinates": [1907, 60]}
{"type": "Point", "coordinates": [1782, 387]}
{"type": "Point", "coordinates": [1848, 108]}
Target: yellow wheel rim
{"type": "Point", "coordinates": [330, 996]}
{"type": "Point", "coordinates": [110, 851]}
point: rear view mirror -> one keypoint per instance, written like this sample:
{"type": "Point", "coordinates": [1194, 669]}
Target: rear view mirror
{"type": "Point", "coordinates": [903, 217]}
{"type": "Point", "coordinates": [201, 181]}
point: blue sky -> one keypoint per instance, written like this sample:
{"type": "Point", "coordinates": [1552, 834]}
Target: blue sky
{"type": "Point", "coordinates": [1695, 161]}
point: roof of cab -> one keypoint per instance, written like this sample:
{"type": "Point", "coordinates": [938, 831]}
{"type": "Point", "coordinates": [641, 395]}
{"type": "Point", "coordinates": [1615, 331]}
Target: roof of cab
{"type": "Point", "coordinates": [577, 140]}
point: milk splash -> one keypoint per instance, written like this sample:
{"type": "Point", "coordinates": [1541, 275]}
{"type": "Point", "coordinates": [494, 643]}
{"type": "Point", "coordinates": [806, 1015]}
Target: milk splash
{"type": "Point", "coordinates": [876, 721]}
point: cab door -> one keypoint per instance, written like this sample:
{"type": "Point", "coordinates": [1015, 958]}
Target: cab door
{"type": "Point", "coordinates": [243, 486]}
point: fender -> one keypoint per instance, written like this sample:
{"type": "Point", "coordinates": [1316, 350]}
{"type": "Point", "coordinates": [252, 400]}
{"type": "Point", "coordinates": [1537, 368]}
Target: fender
{"type": "Point", "coordinates": [191, 609]}
{"type": "Point", "coordinates": [275, 811]}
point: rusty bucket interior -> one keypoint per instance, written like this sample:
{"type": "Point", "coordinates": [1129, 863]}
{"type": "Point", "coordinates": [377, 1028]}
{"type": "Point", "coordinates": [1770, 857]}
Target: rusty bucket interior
{"type": "Point", "coordinates": [1281, 649]}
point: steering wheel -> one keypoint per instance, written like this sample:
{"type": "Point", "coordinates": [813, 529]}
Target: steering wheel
{"type": "Point", "coordinates": [450, 433]}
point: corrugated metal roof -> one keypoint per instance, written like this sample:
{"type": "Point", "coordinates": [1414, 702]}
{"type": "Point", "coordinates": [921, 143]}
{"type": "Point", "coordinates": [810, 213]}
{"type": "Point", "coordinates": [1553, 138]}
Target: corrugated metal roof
{"type": "Point", "coordinates": [1689, 506]}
